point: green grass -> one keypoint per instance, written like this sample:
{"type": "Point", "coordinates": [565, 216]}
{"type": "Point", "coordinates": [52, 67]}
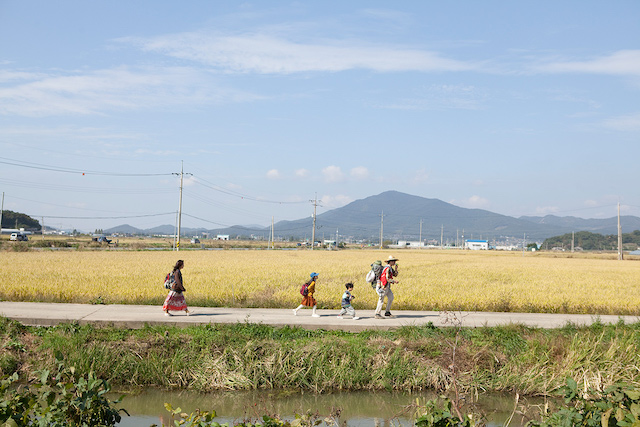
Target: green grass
{"type": "Point", "coordinates": [255, 356]}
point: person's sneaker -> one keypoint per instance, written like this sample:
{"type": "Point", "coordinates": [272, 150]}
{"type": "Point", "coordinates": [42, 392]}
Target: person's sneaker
{"type": "Point", "coordinates": [188, 312]}
{"type": "Point", "coordinates": [315, 315]}
{"type": "Point", "coordinates": [378, 316]}
{"type": "Point", "coordinates": [388, 314]}
{"type": "Point", "coordinates": [356, 318]}
{"type": "Point", "coordinates": [166, 313]}
{"type": "Point", "coordinates": [295, 312]}
{"type": "Point", "coordinates": [340, 317]}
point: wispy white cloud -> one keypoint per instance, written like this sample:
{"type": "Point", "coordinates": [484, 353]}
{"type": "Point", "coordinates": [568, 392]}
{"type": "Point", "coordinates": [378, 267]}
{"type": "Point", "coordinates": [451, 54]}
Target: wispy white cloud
{"type": "Point", "coordinates": [269, 54]}
{"type": "Point", "coordinates": [302, 173]}
{"type": "Point", "coordinates": [473, 202]}
{"type": "Point", "coordinates": [360, 172]}
{"type": "Point", "coordinates": [274, 174]}
{"type": "Point", "coordinates": [13, 75]}
{"type": "Point", "coordinates": [333, 202]}
{"type": "Point", "coordinates": [546, 210]}
{"type": "Point", "coordinates": [420, 176]}
{"type": "Point", "coordinates": [442, 97]}
{"type": "Point", "coordinates": [333, 174]}
{"type": "Point", "coordinates": [97, 92]}
{"type": "Point", "coordinates": [392, 19]}
{"type": "Point", "coordinates": [189, 181]}
{"type": "Point", "coordinates": [622, 62]}
{"type": "Point", "coordinates": [624, 123]}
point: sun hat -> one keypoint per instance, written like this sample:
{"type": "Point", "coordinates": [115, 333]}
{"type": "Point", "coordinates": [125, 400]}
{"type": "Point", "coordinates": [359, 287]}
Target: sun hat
{"type": "Point", "coordinates": [391, 258]}
{"type": "Point", "coordinates": [314, 274]}
{"type": "Point", "coordinates": [378, 262]}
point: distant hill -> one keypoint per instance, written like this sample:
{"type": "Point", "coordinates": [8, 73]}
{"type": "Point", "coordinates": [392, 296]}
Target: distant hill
{"type": "Point", "coordinates": [401, 215]}
{"type": "Point", "coordinates": [124, 229]}
{"type": "Point", "coordinates": [19, 220]}
{"type": "Point", "coordinates": [601, 226]}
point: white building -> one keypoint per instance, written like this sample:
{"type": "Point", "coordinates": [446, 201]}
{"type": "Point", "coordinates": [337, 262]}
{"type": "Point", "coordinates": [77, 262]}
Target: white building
{"type": "Point", "coordinates": [404, 244]}
{"type": "Point", "coordinates": [476, 245]}
{"type": "Point", "coordinates": [222, 237]}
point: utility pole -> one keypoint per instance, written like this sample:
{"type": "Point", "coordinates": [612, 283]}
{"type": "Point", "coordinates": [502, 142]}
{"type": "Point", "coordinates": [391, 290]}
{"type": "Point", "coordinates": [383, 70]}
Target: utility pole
{"type": "Point", "coordinates": [180, 205]}
{"type": "Point", "coordinates": [441, 235]}
{"type": "Point", "coordinates": [273, 237]}
{"type": "Point", "coordinates": [620, 255]}
{"type": "Point", "coordinates": [381, 227]}
{"type": "Point", "coordinates": [420, 243]}
{"type": "Point", "coordinates": [1, 210]}
{"type": "Point", "coordinates": [313, 232]}
{"type": "Point", "coordinates": [524, 240]}
{"type": "Point", "coordinates": [42, 228]}
{"type": "Point", "coordinates": [175, 233]}
{"type": "Point", "coordinates": [573, 241]}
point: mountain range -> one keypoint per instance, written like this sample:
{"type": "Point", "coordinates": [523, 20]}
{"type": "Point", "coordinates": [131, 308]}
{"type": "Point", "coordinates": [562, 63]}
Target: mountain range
{"type": "Point", "coordinates": [406, 217]}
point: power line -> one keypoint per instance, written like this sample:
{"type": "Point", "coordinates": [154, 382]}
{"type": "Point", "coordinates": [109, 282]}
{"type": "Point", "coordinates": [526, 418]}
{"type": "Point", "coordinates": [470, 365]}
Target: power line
{"type": "Point", "coordinates": [281, 230]}
{"type": "Point", "coordinates": [240, 195]}
{"type": "Point", "coordinates": [101, 217]}
{"type": "Point", "coordinates": [82, 189]}
{"type": "Point", "coordinates": [226, 207]}
{"type": "Point", "coordinates": [39, 166]}
{"type": "Point", "coordinates": [67, 207]}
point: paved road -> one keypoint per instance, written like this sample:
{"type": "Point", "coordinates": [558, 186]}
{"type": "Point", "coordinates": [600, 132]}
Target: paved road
{"type": "Point", "coordinates": [136, 316]}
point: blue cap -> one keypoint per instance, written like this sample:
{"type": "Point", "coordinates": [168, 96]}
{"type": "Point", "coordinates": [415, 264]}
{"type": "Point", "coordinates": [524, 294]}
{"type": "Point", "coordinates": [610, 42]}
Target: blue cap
{"type": "Point", "coordinates": [314, 274]}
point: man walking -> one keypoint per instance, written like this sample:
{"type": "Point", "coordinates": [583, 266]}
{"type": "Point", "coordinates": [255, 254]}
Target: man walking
{"type": "Point", "coordinates": [384, 287]}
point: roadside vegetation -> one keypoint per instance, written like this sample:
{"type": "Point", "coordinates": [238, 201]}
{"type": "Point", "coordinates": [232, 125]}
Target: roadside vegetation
{"type": "Point", "coordinates": [246, 356]}
{"type": "Point", "coordinates": [429, 280]}
{"type": "Point", "coordinates": [62, 375]}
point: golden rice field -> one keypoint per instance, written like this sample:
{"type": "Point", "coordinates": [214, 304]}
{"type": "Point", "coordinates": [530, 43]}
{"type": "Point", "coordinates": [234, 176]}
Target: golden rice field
{"type": "Point", "coordinates": [429, 280]}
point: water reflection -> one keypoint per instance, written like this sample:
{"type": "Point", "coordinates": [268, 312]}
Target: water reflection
{"type": "Point", "coordinates": [354, 408]}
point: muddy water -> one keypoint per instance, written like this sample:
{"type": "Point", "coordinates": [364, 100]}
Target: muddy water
{"type": "Point", "coordinates": [354, 408]}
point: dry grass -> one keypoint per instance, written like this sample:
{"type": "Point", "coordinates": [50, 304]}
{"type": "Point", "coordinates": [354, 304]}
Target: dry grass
{"type": "Point", "coordinates": [429, 280]}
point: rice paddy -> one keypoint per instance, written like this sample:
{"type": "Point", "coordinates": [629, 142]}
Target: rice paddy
{"type": "Point", "coordinates": [429, 279]}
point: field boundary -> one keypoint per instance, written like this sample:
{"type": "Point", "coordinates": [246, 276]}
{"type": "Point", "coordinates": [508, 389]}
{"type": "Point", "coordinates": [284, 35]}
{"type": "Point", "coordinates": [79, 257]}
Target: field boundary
{"type": "Point", "coordinates": [137, 316]}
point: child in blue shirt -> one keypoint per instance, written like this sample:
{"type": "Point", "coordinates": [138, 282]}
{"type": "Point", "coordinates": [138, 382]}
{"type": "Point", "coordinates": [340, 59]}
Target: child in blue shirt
{"type": "Point", "coordinates": [346, 303]}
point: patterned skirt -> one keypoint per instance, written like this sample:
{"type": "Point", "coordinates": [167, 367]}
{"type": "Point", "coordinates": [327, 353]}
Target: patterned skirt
{"type": "Point", "coordinates": [175, 301]}
{"type": "Point", "coordinates": [308, 301]}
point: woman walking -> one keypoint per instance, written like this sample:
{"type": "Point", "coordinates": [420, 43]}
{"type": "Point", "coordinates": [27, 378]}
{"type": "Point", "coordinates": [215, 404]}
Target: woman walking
{"type": "Point", "coordinates": [308, 300]}
{"type": "Point", "coordinates": [175, 300]}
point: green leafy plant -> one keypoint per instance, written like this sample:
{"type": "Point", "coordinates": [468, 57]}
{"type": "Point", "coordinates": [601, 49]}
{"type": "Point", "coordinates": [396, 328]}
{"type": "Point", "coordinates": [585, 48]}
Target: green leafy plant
{"type": "Point", "coordinates": [206, 419]}
{"type": "Point", "coordinates": [444, 414]}
{"type": "Point", "coordinates": [616, 405]}
{"type": "Point", "coordinates": [57, 400]}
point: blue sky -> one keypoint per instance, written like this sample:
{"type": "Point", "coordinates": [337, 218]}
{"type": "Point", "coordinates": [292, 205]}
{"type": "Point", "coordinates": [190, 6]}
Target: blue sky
{"type": "Point", "coordinates": [520, 108]}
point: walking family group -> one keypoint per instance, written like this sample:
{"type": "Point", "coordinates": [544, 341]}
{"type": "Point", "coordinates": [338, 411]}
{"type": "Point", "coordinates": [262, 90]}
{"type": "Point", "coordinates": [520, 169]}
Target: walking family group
{"type": "Point", "coordinates": [381, 279]}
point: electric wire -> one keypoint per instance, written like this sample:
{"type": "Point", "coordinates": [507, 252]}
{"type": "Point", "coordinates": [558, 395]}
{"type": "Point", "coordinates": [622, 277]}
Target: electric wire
{"type": "Point", "coordinates": [83, 189]}
{"type": "Point", "coordinates": [68, 207]}
{"type": "Point", "coordinates": [40, 166]}
{"type": "Point", "coordinates": [214, 187]}
{"type": "Point", "coordinates": [102, 217]}
{"type": "Point", "coordinates": [227, 207]}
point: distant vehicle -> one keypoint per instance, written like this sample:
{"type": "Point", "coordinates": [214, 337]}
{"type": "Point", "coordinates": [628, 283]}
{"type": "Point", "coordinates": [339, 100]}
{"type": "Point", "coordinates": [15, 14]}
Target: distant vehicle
{"type": "Point", "coordinates": [195, 240]}
{"type": "Point", "coordinates": [18, 237]}
{"type": "Point", "coordinates": [101, 239]}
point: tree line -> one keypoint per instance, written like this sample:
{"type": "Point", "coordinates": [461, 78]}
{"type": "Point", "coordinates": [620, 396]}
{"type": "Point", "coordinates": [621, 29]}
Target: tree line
{"type": "Point", "coordinates": [593, 241]}
{"type": "Point", "coordinates": [12, 219]}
